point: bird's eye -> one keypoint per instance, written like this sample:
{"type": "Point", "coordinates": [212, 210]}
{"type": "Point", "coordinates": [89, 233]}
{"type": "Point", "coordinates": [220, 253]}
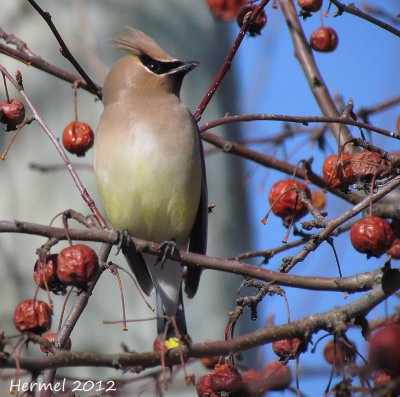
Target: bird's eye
{"type": "Point", "coordinates": [154, 66]}
{"type": "Point", "coordinates": [159, 67]}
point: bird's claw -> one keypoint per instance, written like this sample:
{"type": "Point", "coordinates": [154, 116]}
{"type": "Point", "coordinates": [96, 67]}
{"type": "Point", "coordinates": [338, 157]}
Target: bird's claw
{"type": "Point", "coordinates": [166, 248]}
{"type": "Point", "coordinates": [123, 239]}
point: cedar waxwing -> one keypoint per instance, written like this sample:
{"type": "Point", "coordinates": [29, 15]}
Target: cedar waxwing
{"type": "Point", "coordinates": [149, 167]}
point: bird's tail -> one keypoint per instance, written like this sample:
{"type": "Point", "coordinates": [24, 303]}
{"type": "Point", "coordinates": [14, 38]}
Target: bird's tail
{"type": "Point", "coordinates": [169, 328]}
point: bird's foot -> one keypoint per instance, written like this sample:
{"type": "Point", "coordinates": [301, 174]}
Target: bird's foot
{"type": "Point", "coordinates": [123, 240]}
{"type": "Point", "coordinates": [166, 248]}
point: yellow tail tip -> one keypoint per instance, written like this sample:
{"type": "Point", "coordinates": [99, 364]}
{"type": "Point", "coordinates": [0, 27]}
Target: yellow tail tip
{"type": "Point", "coordinates": [171, 343]}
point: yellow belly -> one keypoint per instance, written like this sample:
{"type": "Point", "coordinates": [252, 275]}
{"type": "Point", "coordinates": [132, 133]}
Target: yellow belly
{"type": "Point", "coordinates": [151, 192]}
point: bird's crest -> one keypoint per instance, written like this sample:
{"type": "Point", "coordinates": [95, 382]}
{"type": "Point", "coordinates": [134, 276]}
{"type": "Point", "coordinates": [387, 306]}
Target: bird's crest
{"type": "Point", "coordinates": [138, 43]}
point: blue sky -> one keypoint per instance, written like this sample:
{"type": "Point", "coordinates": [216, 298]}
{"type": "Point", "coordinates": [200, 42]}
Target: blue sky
{"type": "Point", "coordinates": [363, 67]}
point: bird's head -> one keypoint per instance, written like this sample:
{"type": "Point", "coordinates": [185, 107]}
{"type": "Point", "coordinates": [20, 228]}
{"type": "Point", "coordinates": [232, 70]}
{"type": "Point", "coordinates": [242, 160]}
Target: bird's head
{"type": "Point", "coordinates": [146, 69]}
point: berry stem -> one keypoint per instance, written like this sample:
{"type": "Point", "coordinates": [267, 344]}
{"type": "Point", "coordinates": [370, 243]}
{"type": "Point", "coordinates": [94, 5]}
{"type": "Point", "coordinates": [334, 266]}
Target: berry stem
{"type": "Point", "coordinates": [26, 122]}
{"type": "Point", "coordinates": [284, 241]}
{"type": "Point", "coordinates": [371, 193]}
{"type": "Point", "coordinates": [76, 86]}
{"type": "Point", "coordinates": [65, 224]}
{"type": "Point", "coordinates": [327, 10]}
{"type": "Point", "coordinates": [116, 273]}
{"type": "Point", "coordinates": [63, 309]}
{"type": "Point", "coordinates": [5, 88]}
{"type": "Point", "coordinates": [264, 220]}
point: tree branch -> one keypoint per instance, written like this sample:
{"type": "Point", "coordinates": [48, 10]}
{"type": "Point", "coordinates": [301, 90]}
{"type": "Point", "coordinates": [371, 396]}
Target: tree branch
{"type": "Point", "coordinates": [358, 282]}
{"type": "Point", "coordinates": [334, 320]}
{"type": "Point", "coordinates": [306, 59]}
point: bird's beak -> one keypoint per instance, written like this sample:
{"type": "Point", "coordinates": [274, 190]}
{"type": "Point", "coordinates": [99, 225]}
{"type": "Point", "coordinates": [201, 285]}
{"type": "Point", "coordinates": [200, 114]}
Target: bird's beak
{"type": "Point", "coordinates": [184, 67]}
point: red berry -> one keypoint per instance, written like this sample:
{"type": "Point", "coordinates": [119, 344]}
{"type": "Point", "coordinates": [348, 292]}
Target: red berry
{"type": "Point", "coordinates": [78, 137]}
{"type": "Point", "coordinates": [159, 346]}
{"type": "Point", "coordinates": [338, 172]}
{"type": "Point", "coordinates": [255, 27]}
{"type": "Point", "coordinates": [77, 265]}
{"type": "Point", "coordinates": [278, 376]}
{"type": "Point", "coordinates": [32, 316]}
{"type": "Point", "coordinates": [288, 349]}
{"type": "Point", "coordinates": [287, 204]}
{"type": "Point", "coordinates": [344, 353]}
{"type": "Point", "coordinates": [224, 379]}
{"type": "Point", "coordinates": [310, 5]}
{"type": "Point", "coordinates": [381, 378]}
{"type": "Point", "coordinates": [366, 164]}
{"type": "Point", "coordinates": [45, 273]}
{"type": "Point", "coordinates": [324, 39]}
{"type": "Point", "coordinates": [371, 235]}
{"type": "Point", "coordinates": [384, 349]}
{"type": "Point", "coordinates": [318, 199]}
{"type": "Point", "coordinates": [51, 337]}
{"type": "Point", "coordinates": [253, 382]}
{"type": "Point", "coordinates": [203, 387]}
{"type": "Point", "coordinates": [12, 113]}
{"type": "Point", "coordinates": [226, 10]}
{"type": "Point", "coordinates": [394, 249]}
{"type": "Point", "coordinates": [210, 362]}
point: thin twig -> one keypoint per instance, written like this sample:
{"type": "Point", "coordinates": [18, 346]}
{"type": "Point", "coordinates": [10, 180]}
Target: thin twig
{"type": "Point", "coordinates": [334, 319]}
{"type": "Point", "coordinates": [296, 119]}
{"type": "Point", "coordinates": [64, 49]}
{"type": "Point", "coordinates": [352, 9]}
{"type": "Point", "coordinates": [82, 190]}
{"type": "Point", "coordinates": [227, 63]}
{"type": "Point", "coordinates": [306, 60]}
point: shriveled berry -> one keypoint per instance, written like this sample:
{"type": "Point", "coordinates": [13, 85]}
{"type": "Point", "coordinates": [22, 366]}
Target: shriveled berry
{"type": "Point", "coordinates": [384, 349]}
{"type": "Point", "coordinates": [32, 316]}
{"type": "Point", "coordinates": [396, 156]}
{"type": "Point", "coordinates": [256, 26]}
{"type": "Point", "coordinates": [340, 353]}
{"type": "Point", "coordinates": [278, 376]}
{"type": "Point", "coordinates": [337, 172]}
{"type": "Point", "coordinates": [78, 137]}
{"type": "Point", "coordinates": [381, 378]}
{"type": "Point", "coordinates": [45, 273]}
{"type": "Point", "coordinates": [226, 10]}
{"type": "Point", "coordinates": [210, 362]}
{"type": "Point", "coordinates": [310, 5]}
{"type": "Point", "coordinates": [254, 383]}
{"type": "Point", "coordinates": [394, 249]}
{"type": "Point", "coordinates": [284, 201]}
{"type": "Point", "coordinates": [225, 378]}
{"type": "Point", "coordinates": [12, 113]}
{"type": "Point", "coordinates": [288, 349]}
{"type": "Point", "coordinates": [366, 164]}
{"type": "Point", "coordinates": [318, 199]}
{"type": "Point", "coordinates": [158, 346]}
{"type": "Point", "coordinates": [324, 39]}
{"type": "Point", "coordinates": [203, 387]}
{"type": "Point", "coordinates": [77, 265]}
{"type": "Point", "coordinates": [51, 337]}
{"type": "Point", "coordinates": [371, 235]}
{"type": "Point", "coordinates": [344, 388]}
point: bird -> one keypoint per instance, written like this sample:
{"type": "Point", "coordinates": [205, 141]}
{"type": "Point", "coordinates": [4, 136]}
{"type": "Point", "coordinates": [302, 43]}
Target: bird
{"type": "Point", "coordinates": [150, 171]}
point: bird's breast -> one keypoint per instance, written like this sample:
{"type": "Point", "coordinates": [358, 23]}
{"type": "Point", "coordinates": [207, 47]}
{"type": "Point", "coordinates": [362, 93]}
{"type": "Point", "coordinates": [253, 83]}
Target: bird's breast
{"type": "Point", "coordinates": [149, 176]}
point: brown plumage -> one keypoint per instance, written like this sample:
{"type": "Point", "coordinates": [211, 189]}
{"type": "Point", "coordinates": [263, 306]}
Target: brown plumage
{"type": "Point", "coordinates": [149, 165]}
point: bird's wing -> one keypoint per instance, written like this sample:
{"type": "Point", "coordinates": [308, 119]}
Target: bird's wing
{"type": "Point", "coordinates": [138, 266]}
{"type": "Point", "coordinates": [198, 236]}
